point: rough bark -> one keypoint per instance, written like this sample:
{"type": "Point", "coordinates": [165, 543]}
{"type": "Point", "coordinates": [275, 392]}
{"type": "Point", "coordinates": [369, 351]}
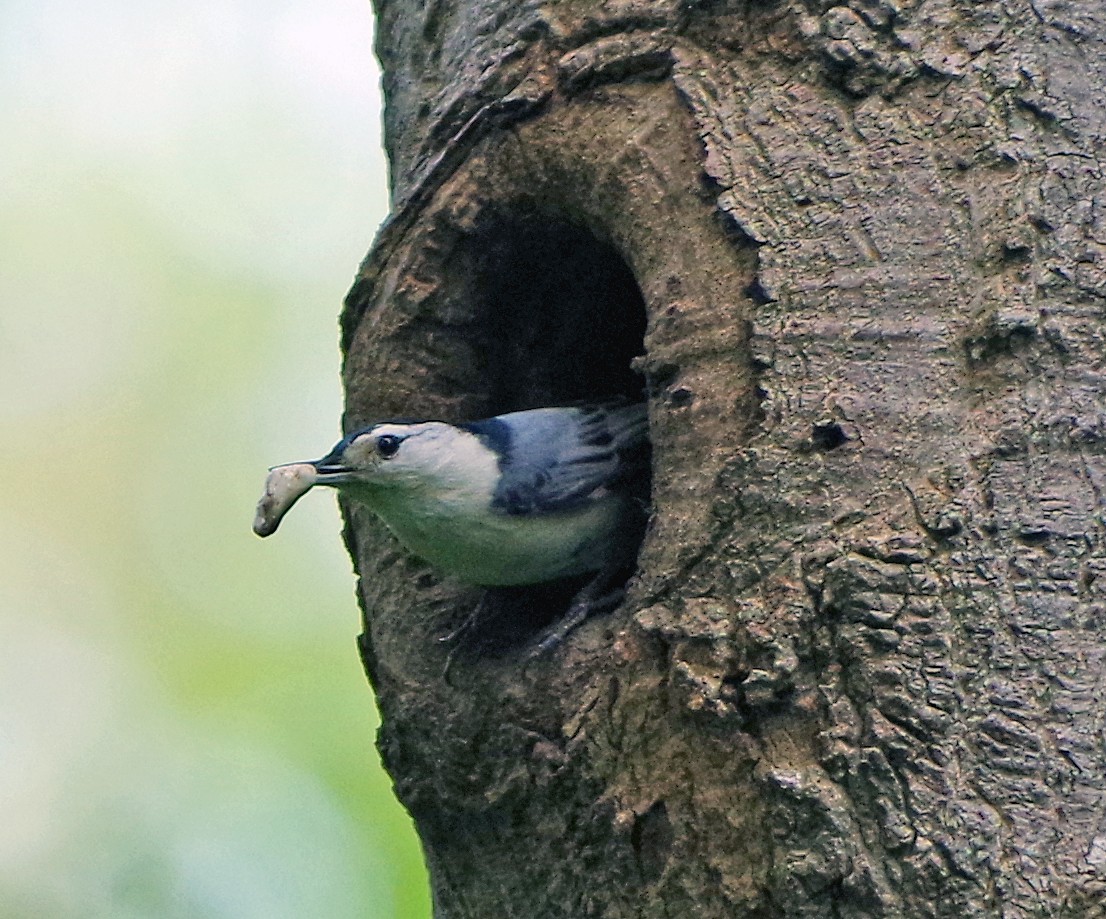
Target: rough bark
{"type": "Point", "coordinates": [861, 670]}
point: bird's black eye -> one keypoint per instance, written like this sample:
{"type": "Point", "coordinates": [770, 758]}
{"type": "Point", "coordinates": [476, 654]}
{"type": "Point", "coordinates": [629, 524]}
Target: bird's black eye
{"type": "Point", "coordinates": [387, 444]}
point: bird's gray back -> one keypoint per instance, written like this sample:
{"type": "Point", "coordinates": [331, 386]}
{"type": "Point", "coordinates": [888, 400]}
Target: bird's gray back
{"type": "Point", "coordinates": [554, 459]}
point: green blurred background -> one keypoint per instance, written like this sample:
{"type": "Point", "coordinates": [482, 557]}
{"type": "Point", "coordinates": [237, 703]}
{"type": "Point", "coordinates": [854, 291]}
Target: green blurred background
{"type": "Point", "coordinates": [186, 189]}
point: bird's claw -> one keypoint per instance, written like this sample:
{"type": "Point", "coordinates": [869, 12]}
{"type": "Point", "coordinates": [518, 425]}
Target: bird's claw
{"type": "Point", "coordinates": [582, 609]}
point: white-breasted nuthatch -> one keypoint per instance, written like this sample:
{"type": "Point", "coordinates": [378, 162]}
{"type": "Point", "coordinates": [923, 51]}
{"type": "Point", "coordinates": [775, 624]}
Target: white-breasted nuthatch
{"type": "Point", "coordinates": [522, 498]}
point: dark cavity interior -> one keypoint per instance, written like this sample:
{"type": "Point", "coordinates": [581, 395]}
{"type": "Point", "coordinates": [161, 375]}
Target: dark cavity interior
{"type": "Point", "coordinates": [559, 319]}
{"type": "Point", "coordinates": [559, 314]}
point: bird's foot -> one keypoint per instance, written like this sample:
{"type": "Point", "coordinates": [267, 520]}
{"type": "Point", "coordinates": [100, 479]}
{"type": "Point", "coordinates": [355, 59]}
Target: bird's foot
{"type": "Point", "coordinates": [585, 605]}
{"type": "Point", "coordinates": [467, 626]}
{"type": "Point", "coordinates": [454, 637]}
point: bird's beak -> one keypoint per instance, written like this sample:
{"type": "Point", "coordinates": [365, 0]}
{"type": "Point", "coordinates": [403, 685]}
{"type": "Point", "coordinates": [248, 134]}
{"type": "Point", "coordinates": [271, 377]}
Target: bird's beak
{"type": "Point", "coordinates": [331, 470]}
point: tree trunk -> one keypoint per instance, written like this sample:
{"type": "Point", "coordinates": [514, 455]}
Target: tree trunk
{"type": "Point", "coordinates": [856, 255]}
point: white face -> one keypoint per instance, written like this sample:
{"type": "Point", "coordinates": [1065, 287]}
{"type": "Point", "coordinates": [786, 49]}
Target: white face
{"type": "Point", "coordinates": [376, 456]}
{"type": "Point", "coordinates": [408, 470]}
{"type": "Point", "coordinates": [430, 454]}
{"type": "Point", "coordinates": [378, 449]}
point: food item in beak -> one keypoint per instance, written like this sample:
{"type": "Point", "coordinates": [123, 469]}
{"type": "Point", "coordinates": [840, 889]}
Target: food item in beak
{"type": "Point", "coordinates": [283, 488]}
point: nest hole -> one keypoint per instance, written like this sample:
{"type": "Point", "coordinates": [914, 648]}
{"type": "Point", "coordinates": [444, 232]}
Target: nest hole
{"type": "Point", "coordinates": [559, 315]}
{"type": "Point", "coordinates": [558, 318]}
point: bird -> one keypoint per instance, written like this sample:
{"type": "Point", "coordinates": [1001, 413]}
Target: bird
{"type": "Point", "coordinates": [522, 498]}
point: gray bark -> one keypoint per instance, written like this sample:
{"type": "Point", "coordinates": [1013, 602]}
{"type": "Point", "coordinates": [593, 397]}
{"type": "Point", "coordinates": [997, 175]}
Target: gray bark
{"type": "Point", "coordinates": [861, 670]}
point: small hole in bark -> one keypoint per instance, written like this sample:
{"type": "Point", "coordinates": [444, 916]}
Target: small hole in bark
{"type": "Point", "coordinates": [558, 318]}
{"type": "Point", "coordinates": [827, 435]}
{"type": "Point", "coordinates": [680, 397]}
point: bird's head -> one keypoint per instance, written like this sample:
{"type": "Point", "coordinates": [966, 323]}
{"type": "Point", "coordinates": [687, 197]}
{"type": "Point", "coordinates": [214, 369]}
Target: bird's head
{"type": "Point", "coordinates": [405, 464]}
{"type": "Point", "coordinates": [367, 457]}
{"type": "Point", "coordinates": [395, 455]}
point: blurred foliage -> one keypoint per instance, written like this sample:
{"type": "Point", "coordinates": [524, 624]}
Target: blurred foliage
{"type": "Point", "coordinates": [185, 730]}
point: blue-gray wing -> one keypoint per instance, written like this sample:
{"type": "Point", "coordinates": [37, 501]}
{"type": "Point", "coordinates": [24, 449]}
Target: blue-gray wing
{"type": "Point", "coordinates": [557, 458]}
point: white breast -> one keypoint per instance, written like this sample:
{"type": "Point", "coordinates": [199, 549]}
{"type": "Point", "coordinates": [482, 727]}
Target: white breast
{"type": "Point", "coordinates": [481, 547]}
